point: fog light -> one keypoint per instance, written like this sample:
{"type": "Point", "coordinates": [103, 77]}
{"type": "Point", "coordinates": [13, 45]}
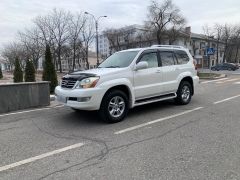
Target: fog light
{"type": "Point", "coordinates": [83, 99]}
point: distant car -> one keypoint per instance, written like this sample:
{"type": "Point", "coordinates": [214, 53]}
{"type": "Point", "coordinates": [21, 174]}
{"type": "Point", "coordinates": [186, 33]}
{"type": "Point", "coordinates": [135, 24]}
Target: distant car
{"type": "Point", "coordinates": [237, 65]}
{"type": "Point", "coordinates": [224, 66]}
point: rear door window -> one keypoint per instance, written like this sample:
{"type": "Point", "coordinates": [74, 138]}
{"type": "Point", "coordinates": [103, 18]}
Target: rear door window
{"type": "Point", "coordinates": [167, 58]}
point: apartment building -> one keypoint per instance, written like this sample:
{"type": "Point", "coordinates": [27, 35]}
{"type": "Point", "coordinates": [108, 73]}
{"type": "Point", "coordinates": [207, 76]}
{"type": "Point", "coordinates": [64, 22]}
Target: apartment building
{"type": "Point", "coordinates": [198, 48]}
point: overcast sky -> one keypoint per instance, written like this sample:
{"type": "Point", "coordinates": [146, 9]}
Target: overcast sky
{"type": "Point", "coordinates": [18, 14]}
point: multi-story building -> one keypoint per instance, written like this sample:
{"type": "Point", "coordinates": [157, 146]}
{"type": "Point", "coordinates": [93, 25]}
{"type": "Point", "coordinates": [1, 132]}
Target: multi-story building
{"type": "Point", "coordinates": [103, 46]}
{"type": "Point", "coordinates": [198, 49]}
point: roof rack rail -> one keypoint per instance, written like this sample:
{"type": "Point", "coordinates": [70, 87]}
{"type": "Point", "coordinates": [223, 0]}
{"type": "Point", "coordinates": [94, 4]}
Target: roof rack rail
{"type": "Point", "coordinates": [169, 46]}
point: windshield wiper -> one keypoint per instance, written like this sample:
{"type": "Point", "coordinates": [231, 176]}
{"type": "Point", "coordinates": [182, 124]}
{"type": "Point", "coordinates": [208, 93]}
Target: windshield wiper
{"type": "Point", "coordinates": [112, 67]}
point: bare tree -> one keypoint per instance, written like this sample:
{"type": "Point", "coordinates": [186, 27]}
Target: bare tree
{"type": "Point", "coordinates": [42, 23]}
{"type": "Point", "coordinates": [209, 36]}
{"type": "Point", "coordinates": [88, 34]}
{"type": "Point", "coordinates": [227, 33]}
{"type": "Point", "coordinates": [33, 44]}
{"type": "Point", "coordinates": [218, 32]}
{"type": "Point", "coordinates": [174, 33]}
{"type": "Point", "coordinates": [114, 38]}
{"type": "Point", "coordinates": [54, 31]}
{"type": "Point", "coordinates": [235, 41]}
{"type": "Point", "coordinates": [162, 17]}
{"type": "Point", "coordinates": [75, 28]}
{"type": "Point", "coordinates": [15, 50]}
{"type": "Point", "coordinates": [59, 29]}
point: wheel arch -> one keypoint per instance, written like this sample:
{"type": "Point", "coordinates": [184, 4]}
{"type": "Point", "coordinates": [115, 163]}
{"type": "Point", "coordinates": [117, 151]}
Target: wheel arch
{"type": "Point", "coordinates": [124, 88]}
{"type": "Point", "coordinates": [190, 80]}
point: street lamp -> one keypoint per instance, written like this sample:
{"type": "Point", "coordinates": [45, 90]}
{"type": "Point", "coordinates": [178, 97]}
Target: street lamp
{"type": "Point", "coordinates": [96, 20]}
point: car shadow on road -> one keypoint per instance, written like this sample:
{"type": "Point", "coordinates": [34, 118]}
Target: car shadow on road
{"type": "Point", "coordinates": [82, 117]}
{"type": "Point", "coordinates": [92, 118]}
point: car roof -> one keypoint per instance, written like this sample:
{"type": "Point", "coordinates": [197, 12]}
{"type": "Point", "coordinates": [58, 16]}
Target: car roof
{"type": "Point", "coordinates": [163, 47]}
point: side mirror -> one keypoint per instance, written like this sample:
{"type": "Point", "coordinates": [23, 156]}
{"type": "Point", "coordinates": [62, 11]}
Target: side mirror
{"type": "Point", "coordinates": [141, 65]}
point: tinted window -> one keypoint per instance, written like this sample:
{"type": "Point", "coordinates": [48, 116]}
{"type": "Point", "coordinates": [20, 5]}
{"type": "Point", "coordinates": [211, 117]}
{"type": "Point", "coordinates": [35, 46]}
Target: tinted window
{"type": "Point", "coordinates": [167, 58]}
{"type": "Point", "coordinates": [119, 59]}
{"type": "Point", "coordinates": [151, 58]}
{"type": "Point", "coordinates": [182, 57]}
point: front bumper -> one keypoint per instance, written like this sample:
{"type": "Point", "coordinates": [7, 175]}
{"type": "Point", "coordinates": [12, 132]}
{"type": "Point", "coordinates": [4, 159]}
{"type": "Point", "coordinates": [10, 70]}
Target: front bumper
{"type": "Point", "coordinates": [83, 99]}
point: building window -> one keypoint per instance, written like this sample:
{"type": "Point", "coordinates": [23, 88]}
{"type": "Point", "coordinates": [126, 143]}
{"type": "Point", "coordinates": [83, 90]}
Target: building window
{"type": "Point", "coordinates": [202, 45]}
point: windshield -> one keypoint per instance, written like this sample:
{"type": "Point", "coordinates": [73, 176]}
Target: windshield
{"type": "Point", "coordinates": [119, 60]}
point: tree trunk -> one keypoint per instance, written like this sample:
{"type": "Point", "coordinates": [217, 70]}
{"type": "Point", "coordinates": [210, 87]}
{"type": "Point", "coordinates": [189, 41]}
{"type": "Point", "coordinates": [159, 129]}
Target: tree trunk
{"type": "Point", "coordinates": [225, 52]}
{"type": "Point", "coordinates": [217, 51]}
{"type": "Point", "coordinates": [159, 37]}
{"type": "Point", "coordinates": [236, 56]}
{"type": "Point", "coordinates": [59, 59]}
{"type": "Point", "coordinates": [74, 55]}
{"type": "Point", "coordinates": [87, 58]}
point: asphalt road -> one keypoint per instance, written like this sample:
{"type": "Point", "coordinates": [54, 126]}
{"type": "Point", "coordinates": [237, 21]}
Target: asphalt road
{"type": "Point", "coordinates": [157, 141]}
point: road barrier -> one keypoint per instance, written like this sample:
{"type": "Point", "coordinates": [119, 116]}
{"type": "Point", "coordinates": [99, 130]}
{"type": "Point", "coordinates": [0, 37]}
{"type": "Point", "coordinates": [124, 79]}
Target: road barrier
{"type": "Point", "coordinates": [18, 96]}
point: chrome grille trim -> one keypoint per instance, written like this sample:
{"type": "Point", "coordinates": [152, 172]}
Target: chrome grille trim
{"type": "Point", "coordinates": [68, 83]}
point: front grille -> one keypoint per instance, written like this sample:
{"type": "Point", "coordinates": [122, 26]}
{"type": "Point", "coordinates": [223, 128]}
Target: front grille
{"type": "Point", "coordinates": [68, 83]}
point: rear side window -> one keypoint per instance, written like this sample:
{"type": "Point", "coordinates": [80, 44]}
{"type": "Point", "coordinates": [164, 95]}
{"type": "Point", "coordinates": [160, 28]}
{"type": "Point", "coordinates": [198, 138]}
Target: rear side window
{"type": "Point", "coordinates": [167, 58]}
{"type": "Point", "coordinates": [182, 57]}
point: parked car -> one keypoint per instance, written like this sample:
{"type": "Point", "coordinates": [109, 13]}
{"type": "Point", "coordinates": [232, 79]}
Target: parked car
{"type": "Point", "coordinates": [237, 65]}
{"type": "Point", "coordinates": [224, 66]}
{"type": "Point", "coordinates": [131, 78]}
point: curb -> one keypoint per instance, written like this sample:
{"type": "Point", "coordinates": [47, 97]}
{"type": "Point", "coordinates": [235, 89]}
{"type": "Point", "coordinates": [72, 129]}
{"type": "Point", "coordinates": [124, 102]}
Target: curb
{"type": "Point", "coordinates": [52, 97]}
{"type": "Point", "coordinates": [220, 77]}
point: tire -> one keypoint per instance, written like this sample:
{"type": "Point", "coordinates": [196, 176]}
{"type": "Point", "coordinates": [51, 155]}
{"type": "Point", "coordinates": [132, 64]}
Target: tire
{"type": "Point", "coordinates": [184, 87]}
{"type": "Point", "coordinates": [114, 106]}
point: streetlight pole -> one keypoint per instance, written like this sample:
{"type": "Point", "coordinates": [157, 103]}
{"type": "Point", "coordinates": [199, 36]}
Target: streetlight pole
{"type": "Point", "coordinates": [96, 26]}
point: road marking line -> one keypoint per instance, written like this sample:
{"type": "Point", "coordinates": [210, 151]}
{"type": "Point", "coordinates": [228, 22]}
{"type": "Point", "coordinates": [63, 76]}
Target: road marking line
{"type": "Point", "coordinates": [32, 159]}
{"type": "Point", "coordinates": [227, 99]}
{"type": "Point", "coordinates": [156, 121]}
{"type": "Point", "coordinates": [21, 112]}
{"type": "Point", "coordinates": [214, 80]}
{"type": "Point", "coordinates": [230, 80]}
{"type": "Point", "coordinates": [236, 83]}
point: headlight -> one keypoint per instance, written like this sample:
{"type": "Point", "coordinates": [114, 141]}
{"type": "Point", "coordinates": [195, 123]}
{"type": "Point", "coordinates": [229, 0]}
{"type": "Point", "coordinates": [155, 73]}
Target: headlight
{"type": "Point", "coordinates": [88, 82]}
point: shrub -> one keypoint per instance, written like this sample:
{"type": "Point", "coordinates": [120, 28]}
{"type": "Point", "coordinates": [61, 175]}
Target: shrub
{"type": "Point", "coordinates": [17, 74]}
{"type": "Point", "coordinates": [49, 73]}
{"type": "Point", "coordinates": [29, 72]}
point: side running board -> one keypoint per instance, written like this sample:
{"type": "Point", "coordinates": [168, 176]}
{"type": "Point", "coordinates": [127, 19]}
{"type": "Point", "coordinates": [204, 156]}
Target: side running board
{"type": "Point", "coordinates": [155, 99]}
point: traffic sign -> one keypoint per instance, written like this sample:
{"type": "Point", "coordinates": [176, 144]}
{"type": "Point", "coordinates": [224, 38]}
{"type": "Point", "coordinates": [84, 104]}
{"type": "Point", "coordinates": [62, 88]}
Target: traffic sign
{"type": "Point", "coordinates": [210, 51]}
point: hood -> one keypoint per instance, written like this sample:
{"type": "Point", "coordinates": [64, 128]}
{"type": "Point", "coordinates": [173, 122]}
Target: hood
{"type": "Point", "coordinates": [79, 75]}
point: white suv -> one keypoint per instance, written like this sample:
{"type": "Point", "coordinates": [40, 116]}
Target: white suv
{"type": "Point", "coordinates": [131, 78]}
